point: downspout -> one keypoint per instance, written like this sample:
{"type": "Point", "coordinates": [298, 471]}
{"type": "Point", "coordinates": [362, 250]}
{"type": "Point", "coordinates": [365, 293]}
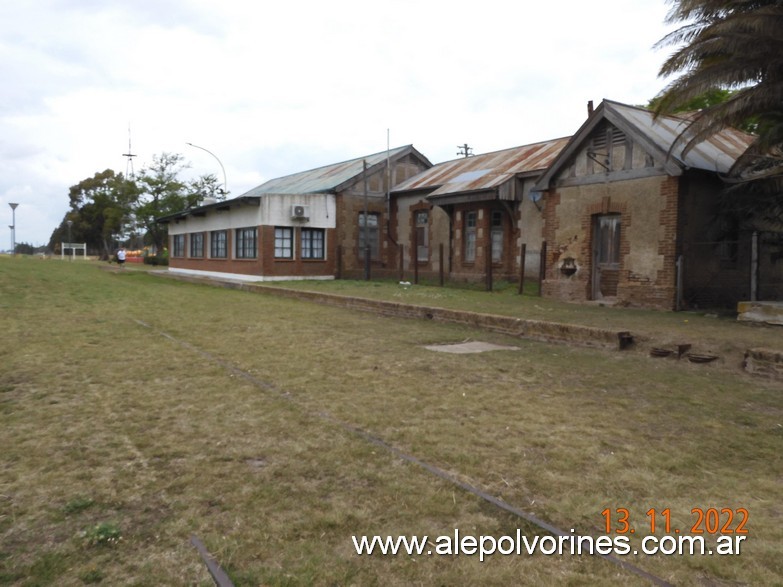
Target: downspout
{"type": "Point", "coordinates": [679, 253]}
{"type": "Point", "coordinates": [389, 234]}
{"type": "Point", "coordinates": [450, 214]}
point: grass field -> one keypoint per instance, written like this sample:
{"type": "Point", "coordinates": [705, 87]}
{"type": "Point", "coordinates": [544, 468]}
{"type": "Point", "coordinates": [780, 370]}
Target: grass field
{"type": "Point", "coordinates": [136, 412]}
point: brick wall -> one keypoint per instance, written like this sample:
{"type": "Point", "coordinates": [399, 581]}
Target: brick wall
{"type": "Point", "coordinates": [265, 264]}
{"type": "Point", "coordinates": [648, 211]}
{"type": "Point", "coordinates": [764, 362]}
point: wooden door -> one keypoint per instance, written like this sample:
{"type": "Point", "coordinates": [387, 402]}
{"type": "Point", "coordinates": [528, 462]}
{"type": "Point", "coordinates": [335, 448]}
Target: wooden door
{"type": "Point", "coordinates": [606, 256]}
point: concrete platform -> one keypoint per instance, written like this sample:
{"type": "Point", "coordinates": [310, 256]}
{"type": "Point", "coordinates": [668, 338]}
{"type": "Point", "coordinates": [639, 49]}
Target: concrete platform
{"type": "Point", "coordinates": [766, 312]}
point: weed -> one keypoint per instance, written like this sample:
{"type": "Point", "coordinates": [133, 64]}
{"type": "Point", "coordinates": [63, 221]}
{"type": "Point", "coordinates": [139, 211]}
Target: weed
{"type": "Point", "coordinates": [92, 575]}
{"type": "Point", "coordinates": [101, 534]}
{"type": "Point", "coordinates": [77, 504]}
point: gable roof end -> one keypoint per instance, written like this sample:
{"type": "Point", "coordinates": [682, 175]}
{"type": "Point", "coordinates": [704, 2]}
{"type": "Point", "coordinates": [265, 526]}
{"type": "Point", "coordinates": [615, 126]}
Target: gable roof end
{"type": "Point", "coordinates": [332, 178]}
{"type": "Point", "coordinates": [656, 136]}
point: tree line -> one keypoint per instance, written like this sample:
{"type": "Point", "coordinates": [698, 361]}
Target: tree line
{"type": "Point", "coordinates": [110, 208]}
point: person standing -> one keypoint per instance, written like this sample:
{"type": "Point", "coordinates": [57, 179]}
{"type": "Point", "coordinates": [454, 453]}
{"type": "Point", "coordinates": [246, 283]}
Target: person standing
{"type": "Point", "coordinates": [121, 257]}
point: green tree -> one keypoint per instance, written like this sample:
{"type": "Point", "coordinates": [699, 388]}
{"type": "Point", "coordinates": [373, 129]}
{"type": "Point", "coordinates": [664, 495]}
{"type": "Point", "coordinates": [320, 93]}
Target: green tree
{"type": "Point", "coordinates": [24, 249]}
{"type": "Point", "coordinates": [161, 192]}
{"type": "Point", "coordinates": [207, 186]}
{"type": "Point", "coordinates": [109, 206]}
{"type": "Point", "coordinates": [100, 207]}
{"type": "Point", "coordinates": [735, 46]}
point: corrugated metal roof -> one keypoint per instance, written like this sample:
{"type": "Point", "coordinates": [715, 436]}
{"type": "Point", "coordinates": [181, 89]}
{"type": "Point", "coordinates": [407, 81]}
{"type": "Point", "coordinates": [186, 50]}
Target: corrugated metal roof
{"type": "Point", "coordinates": [322, 179]}
{"type": "Point", "coordinates": [717, 153]}
{"type": "Point", "coordinates": [485, 171]}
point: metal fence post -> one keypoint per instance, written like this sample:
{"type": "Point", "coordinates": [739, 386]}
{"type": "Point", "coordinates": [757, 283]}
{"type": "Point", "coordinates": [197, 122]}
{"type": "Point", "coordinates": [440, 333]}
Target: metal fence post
{"type": "Point", "coordinates": [522, 253]}
{"type": "Point", "coordinates": [441, 264]}
{"type": "Point", "coordinates": [542, 268]}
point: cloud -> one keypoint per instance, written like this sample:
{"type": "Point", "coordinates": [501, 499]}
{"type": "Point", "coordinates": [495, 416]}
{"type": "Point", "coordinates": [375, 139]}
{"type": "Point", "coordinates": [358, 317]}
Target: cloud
{"type": "Point", "coordinates": [275, 88]}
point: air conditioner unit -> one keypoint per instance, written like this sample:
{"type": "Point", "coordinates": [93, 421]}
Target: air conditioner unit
{"type": "Point", "coordinates": [302, 212]}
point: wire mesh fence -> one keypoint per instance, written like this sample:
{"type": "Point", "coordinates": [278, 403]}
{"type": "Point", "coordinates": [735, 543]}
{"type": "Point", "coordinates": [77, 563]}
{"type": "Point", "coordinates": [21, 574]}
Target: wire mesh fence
{"type": "Point", "coordinates": [720, 273]}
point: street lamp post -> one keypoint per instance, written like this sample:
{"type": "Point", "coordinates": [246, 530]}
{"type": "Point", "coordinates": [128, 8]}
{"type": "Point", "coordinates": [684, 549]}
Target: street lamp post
{"type": "Point", "coordinates": [70, 244]}
{"type": "Point", "coordinates": [225, 183]}
{"type": "Point", "coordinates": [13, 227]}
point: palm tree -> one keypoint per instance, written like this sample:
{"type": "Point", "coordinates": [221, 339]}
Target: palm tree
{"type": "Point", "coordinates": [732, 45]}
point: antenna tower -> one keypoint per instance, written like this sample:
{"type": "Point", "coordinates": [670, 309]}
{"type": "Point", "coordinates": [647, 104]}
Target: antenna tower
{"type": "Point", "coordinates": [129, 164]}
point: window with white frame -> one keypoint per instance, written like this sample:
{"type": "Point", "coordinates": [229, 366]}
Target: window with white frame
{"type": "Point", "coordinates": [247, 243]}
{"type": "Point", "coordinates": [178, 245]}
{"type": "Point", "coordinates": [218, 244]}
{"type": "Point", "coordinates": [470, 237]}
{"type": "Point", "coordinates": [312, 243]}
{"type": "Point", "coordinates": [284, 242]}
{"type": "Point", "coordinates": [197, 244]}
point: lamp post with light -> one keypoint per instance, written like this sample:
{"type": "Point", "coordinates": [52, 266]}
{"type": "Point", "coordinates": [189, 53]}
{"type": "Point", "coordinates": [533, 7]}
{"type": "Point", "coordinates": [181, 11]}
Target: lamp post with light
{"type": "Point", "coordinates": [225, 183]}
{"type": "Point", "coordinates": [13, 227]}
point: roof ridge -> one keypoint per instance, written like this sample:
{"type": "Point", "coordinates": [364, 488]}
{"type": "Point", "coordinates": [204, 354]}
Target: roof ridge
{"type": "Point", "coordinates": [401, 148]}
{"type": "Point", "coordinates": [503, 150]}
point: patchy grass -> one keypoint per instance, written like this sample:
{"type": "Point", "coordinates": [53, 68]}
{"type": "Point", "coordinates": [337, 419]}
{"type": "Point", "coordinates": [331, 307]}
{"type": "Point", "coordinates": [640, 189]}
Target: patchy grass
{"type": "Point", "coordinates": [164, 410]}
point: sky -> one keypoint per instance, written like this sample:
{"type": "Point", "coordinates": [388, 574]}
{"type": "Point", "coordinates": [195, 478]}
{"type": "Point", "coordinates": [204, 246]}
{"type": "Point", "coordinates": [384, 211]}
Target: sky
{"type": "Point", "coordinates": [274, 88]}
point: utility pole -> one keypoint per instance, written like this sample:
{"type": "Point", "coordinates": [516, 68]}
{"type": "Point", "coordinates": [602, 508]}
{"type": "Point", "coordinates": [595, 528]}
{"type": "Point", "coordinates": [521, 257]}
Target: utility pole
{"type": "Point", "coordinates": [70, 245]}
{"type": "Point", "coordinates": [366, 227]}
{"type": "Point", "coordinates": [465, 150]}
{"type": "Point", "coordinates": [13, 227]}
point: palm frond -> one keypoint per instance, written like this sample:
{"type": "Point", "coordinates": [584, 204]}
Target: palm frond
{"type": "Point", "coordinates": [730, 45]}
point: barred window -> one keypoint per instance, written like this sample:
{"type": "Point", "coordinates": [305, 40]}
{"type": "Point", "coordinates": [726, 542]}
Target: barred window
{"type": "Point", "coordinates": [368, 228]}
{"type": "Point", "coordinates": [422, 236]}
{"type": "Point", "coordinates": [470, 237]}
{"type": "Point", "coordinates": [496, 233]}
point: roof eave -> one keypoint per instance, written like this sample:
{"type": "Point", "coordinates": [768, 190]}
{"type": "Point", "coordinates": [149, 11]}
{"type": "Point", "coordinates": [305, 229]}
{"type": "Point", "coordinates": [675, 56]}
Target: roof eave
{"type": "Point", "coordinates": [223, 204]}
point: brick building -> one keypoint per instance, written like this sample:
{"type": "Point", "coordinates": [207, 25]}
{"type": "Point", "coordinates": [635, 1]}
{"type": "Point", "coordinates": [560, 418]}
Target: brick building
{"type": "Point", "coordinates": [625, 217]}
{"type": "Point", "coordinates": [478, 209]}
{"type": "Point", "coordinates": [309, 225]}
{"type": "Point", "coordinates": [621, 208]}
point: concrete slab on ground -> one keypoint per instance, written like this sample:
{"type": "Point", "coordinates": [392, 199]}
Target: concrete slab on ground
{"type": "Point", "coordinates": [473, 346]}
{"type": "Point", "coordinates": [767, 312]}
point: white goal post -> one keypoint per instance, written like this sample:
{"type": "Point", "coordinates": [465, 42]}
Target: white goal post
{"type": "Point", "coordinates": [74, 247]}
